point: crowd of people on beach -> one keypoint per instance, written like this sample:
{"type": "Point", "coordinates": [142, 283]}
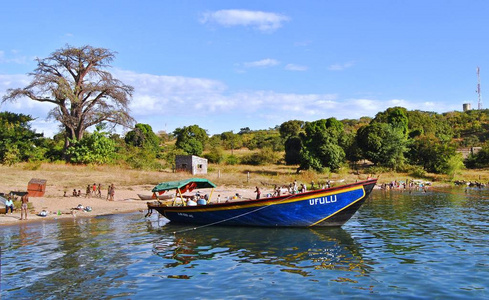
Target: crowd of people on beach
{"type": "Point", "coordinates": [94, 190]}
{"type": "Point", "coordinates": [406, 185]}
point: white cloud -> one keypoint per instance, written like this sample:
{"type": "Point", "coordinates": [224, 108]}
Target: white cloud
{"type": "Point", "coordinates": [12, 57]}
{"type": "Point", "coordinates": [22, 105]}
{"type": "Point", "coordinates": [267, 62]}
{"type": "Point", "coordinates": [294, 67]}
{"type": "Point", "coordinates": [173, 94]}
{"type": "Point", "coordinates": [176, 101]}
{"type": "Point", "coordinates": [263, 21]}
{"type": "Point", "coordinates": [341, 67]}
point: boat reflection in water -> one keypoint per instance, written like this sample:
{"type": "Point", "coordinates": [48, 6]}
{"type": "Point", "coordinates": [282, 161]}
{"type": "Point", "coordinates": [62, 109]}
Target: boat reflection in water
{"type": "Point", "coordinates": [301, 251]}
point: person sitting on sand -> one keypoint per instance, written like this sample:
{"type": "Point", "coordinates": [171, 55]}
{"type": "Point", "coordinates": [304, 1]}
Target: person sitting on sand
{"type": "Point", "coordinates": [9, 204]}
{"type": "Point", "coordinates": [74, 193]}
{"type": "Point", "coordinates": [79, 193]}
{"type": "Point", "coordinates": [23, 208]}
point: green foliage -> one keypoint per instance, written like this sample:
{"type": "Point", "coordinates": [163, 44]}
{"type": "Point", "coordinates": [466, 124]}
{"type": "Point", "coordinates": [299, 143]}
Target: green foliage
{"type": "Point", "coordinates": [169, 154]}
{"type": "Point", "coordinates": [293, 147]}
{"type": "Point", "coordinates": [471, 141]}
{"type": "Point", "coordinates": [432, 154]}
{"type": "Point", "coordinates": [191, 139]}
{"type": "Point", "coordinates": [215, 155]}
{"type": "Point", "coordinates": [229, 140]}
{"type": "Point", "coordinates": [418, 172]}
{"type": "Point", "coordinates": [348, 142]}
{"type": "Point", "coordinates": [17, 141]}
{"type": "Point", "coordinates": [11, 156]}
{"type": "Point", "coordinates": [232, 160]}
{"type": "Point", "coordinates": [321, 147]}
{"type": "Point", "coordinates": [480, 159]}
{"type": "Point", "coordinates": [453, 165]}
{"type": "Point", "coordinates": [142, 159]}
{"type": "Point", "coordinates": [263, 157]}
{"type": "Point", "coordinates": [95, 148]}
{"type": "Point", "coordinates": [291, 128]}
{"type": "Point", "coordinates": [263, 139]}
{"type": "Point", "coordinates": [143, 136]}
{"type": "Point", "coordinates": [382, 144]}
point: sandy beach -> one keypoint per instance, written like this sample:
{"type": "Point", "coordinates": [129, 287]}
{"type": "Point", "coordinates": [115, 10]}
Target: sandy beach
{"type": "Point", "coordinates": [125, 200]}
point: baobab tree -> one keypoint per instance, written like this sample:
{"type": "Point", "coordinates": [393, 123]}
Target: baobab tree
{"type": "Point", "coordinates": [76, 80]}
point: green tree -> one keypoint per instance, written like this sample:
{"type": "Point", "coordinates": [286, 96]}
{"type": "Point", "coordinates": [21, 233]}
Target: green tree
{"type": "Point", "coordinates": [215, 155]}
{"type": "Point", "coordinates": [191, 139]}
{"type": "Point", "coordinates": [433, 155]}
{"type": "Point", "coordinates": [143, 136]}
{"type": "Point", "coordinates": [231, 141]}
{"type": "Point", "coordinates": [396, 117]}
{"type": "Point", "coordinates": [293, 147]}
{"type": "Point", "coordinates": [85, 94]}
{"type": "Point", "coordinates": [382, 144]}
{"type": "Point", "coordinates": [291, 128]}
{"type": "Point", "coordinates": [18, 142]}
{"type": "Point", "coordinates": [321, 147]}
{"type": "Point", "coordinates": [263, 139]}
{"type": "Point", "coordinates": [95, 148]}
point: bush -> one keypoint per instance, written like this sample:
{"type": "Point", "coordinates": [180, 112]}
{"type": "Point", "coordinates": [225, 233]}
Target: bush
{"type": "Point", "coordinates": [215, 156]}
{"type": "Point", "coordinates": [232, 160]}
{"type": "Point", "coordinates": [11, 156]}
{"type": "Point", "coordinates": [418, 172]}
{"type": "Point", "coordinates": [263, 157]}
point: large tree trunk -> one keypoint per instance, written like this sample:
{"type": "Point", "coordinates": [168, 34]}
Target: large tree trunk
{"type": "Point", "coordinates": [70, 134]}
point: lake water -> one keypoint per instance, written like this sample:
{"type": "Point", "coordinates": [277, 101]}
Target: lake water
{"type": "Point", "coordinates": [432, 245]}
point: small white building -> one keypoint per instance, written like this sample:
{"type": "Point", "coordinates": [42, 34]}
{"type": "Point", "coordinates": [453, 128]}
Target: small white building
{"type": "Point", "coordinates": [191, 163]}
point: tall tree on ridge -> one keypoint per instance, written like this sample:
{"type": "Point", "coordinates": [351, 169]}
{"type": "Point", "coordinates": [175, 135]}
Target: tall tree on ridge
{"type": "Point", "coordinates": [85, 94]}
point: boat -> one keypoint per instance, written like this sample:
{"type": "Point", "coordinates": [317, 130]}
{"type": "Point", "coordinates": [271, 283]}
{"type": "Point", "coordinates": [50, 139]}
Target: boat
{"type": "Point", "coordinates": [152, 197]}
{"type": "Point", "coordinates": [325, 207]}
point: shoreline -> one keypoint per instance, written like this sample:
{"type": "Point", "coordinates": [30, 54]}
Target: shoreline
{"type": "Point", "coordinates": [126, 200]}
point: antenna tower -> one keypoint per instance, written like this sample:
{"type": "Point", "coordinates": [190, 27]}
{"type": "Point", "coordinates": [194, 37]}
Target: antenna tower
{"type": "Point", "coordinates": [479, 106]}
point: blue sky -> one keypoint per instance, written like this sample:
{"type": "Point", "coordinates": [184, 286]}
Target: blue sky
{"type": "Point", "coordinates": [225, 65]}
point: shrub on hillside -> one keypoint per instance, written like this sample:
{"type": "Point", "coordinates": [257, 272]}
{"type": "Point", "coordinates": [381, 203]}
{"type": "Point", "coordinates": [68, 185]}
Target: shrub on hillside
{"type": "Point", "coordinates": [263, 157]}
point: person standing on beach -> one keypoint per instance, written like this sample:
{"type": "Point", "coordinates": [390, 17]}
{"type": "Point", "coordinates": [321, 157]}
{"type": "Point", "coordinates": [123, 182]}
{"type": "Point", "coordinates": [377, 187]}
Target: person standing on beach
{"type": "Point", "coordinates": [23, 208]}
{"type": "Point", "coordinates": [258, 193]}
{"type": "Point", "coordinates": [112, 192]}
{"type": "Point", "coordinates": [9, 204]}
{"type": "Point", "coordinates": [87, 195]}
{"type": "Point", "coordinates": [99, 190]}
{"type": "Point", "coordinates": [94, 189]}
{"type": "Point", "coordinates": [109, 191]}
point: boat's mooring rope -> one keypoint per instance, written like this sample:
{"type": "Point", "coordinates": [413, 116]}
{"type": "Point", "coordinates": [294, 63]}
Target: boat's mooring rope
{"type": "Point", "coordinates": [228, 219]}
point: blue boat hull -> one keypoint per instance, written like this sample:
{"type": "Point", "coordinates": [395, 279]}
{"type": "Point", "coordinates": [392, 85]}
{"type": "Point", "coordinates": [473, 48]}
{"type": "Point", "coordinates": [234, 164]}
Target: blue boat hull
{"type": "Point", "coordinates": [328, 207]}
